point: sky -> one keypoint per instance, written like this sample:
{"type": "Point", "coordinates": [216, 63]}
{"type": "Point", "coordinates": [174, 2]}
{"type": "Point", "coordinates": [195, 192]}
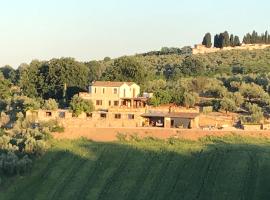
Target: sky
{"type": "Point", "coordinates": [93, 29]}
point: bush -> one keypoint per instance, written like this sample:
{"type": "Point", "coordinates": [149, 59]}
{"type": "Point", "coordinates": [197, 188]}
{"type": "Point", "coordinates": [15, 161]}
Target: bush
{"type": "Point", "coordinates": [10, 164]}
{"type": "Point", "coordinates": [79, 105]}
{"type": "Point", "coordinates": [122, 137]}
{"type": "Point", "coordinates": [50, 104]}
{"type": "Point", "coordinates": [58, 129]}
{"type": "Point", "coordinates": [207, 109]}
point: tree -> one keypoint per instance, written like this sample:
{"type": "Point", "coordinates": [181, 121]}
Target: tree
{"type": "Point", "coordinates": [78, 105]}
{"type": "Point", "coordinates": [228, 105]}
{"type": "Point", "coordinates": [95, 70]}
{"type": "Point", "coordinates": [247, 39]}
{"type": "Point", "coordinates": [216, 41]}
{"type": "Point", "coordinates": [207, 40]}
{"type": "Point", "coordinates": [236, 41]}
{"type": "Point", "coordinates": [192, 66]}
{"type": "Point", "coordinates": [251, 91]}
{"type": "Point", "coordinates": [8, 72]}
{"type": "Point", "coordinates": [238, 99]}
{"type": "Point", "coordinates": [256, 114]}
{"type": "Point", "coordinates": [226, 39]}
{"type": "Point", "coordinates": [126, 69]}
{"type": "Point", "coordinates": [254, 37]}
{"type": "Point", "coordinates": [154, 101]}
{"type": "Point", "coordinates": [48, 79]}
{"type": "Point", "coordinates": [163, 96]}
{"type": "Point", "coordinates": [190, 99]}
{"type": "Point", "coordinates": [5, 87]}
{"type": "Point", "coordinates": [50, 104]}
{"type": "Point", "coordinates": [107, 59]}
{"type": "Point", "coordinates": [232, 40]}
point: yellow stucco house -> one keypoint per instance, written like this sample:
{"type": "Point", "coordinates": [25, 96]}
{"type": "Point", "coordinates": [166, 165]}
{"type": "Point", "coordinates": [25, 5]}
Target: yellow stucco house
{"type": "Point", "coordinates": [108, 94]}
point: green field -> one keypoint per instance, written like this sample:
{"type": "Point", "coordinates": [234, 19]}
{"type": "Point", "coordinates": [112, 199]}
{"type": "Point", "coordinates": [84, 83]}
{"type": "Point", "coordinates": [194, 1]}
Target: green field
{"type": "Point", "coordinates": [226, 168]}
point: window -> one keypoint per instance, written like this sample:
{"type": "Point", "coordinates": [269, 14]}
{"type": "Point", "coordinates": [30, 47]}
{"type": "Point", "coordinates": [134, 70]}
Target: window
{"type": "Point", "coordinates": [95, 90]}
{"type": "Point", "coordinates": [48, 114]}
{"type": "Point", "coordinates": [130, 116]}
{"type": "Point", "coordinates": [124, 92]}
{"type": "Point", "coordinates": [110, 103]}
{"type": "Point", "coordinates": [117, 116]}
{"type": "Point", "coordinates": [115, 90]}
{"type": "Point", "coordinates": [103, 90]}
{"type": "Point", "coordinates": [89, 115]}
{"type": "Point", "coordinates": [99, 102]}
{"type": "Point", "coordinates": [116, 103]}
{"type": "Point", "coordinates": [103, 115]}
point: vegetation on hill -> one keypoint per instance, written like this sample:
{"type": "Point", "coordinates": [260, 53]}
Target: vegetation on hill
{"type": "Point", "coordinates": [239, 76]}
{"type": "Point", "coordinates": [213, 168]}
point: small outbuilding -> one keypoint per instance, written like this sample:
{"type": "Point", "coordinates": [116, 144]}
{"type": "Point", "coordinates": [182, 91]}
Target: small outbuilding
{"type": "Point", "coordinates": [171, 120]}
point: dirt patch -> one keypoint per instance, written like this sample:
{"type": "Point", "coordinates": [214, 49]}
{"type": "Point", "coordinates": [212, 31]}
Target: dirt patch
{"type": "Point", "coordinates": [110, 134]}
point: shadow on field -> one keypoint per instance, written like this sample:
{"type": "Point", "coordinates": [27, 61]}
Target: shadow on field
{"type": "Point", "coordinates": [148, 169]}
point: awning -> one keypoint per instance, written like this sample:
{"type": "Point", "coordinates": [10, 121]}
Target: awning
{"type": "Point", "coordinates": [156, 114]}
{"type": "Point", "coordinates": [183, 115]}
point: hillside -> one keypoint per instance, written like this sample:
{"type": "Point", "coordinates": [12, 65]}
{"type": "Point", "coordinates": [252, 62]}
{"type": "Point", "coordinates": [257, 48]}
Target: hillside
{"type": "Point", "coordinates": [212, 168]}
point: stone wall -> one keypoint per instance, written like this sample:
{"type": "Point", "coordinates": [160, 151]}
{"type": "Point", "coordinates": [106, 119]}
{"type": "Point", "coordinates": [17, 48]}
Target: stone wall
{"type": "Point", "coordinates": [115, 117]}
{"type": "Point", "coordinates": [201, 49]}
{"type": "Point", "coordinates": [252, 127]}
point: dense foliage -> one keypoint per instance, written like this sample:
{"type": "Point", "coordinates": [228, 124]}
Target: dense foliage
{"type": "Point", "coordinates": [79, 105]}
{"type": "Point", "coordinates": [238, 77]}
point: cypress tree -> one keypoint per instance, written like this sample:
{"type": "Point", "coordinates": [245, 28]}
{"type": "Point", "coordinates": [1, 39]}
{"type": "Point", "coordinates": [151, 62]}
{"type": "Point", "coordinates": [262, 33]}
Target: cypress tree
{"type": "Point", "coordinates": [222, 41]}
{"type": "Point", "coordinates": [245, 39]}
{"type": "Point", "coordinates": [266, 37]}
{"type": "Point", "coordinates": [207, 40]}
{"type": "Point", "coordinates": [216, 41]}
{"type": "Point", "coordinates": [248, 38]}
{"type": "Point", "coordinates": [232, 40]}
{"type": "Point", "coordinates": [254, 37]}
{"type": "Point", "coordinates": [236, 41]}
{"type": "Point", "coordinates": [226, 39]}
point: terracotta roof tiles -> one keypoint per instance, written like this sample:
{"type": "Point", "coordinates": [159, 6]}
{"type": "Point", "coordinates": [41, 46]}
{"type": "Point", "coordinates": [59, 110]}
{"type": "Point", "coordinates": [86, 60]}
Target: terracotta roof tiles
{"type": "Point", "coordinates": [110, 83]}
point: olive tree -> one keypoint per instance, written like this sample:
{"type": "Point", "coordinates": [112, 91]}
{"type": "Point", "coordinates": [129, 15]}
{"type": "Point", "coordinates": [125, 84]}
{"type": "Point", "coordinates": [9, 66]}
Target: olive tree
{"type": "Point", "coordinates": [79, 105]}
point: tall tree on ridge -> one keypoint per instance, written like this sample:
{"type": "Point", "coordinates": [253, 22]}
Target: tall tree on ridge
{"type": "Point", "coordinates": [236, 41]}
{"type": "Point", "coordinates": [207, 40]}
{"type": "Point", "coordinates": [226, 39]}
{"type": "Point", "coordinates": [216, 41]}
{"type": "Point", "coordinates": [232, 40]}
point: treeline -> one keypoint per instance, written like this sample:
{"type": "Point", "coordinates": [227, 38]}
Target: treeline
{"type": "Point", "coordinates": [255, 38]}
{"type": "Point", "coordinates": [221, 40]}
{"type": "Point", "coordinates": [225, 39]}
{"type": "Point", "coordinates": [187, 50]}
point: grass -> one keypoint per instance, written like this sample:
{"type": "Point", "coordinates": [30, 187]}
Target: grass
{"type": "Point", "coordinates": [231, 167]}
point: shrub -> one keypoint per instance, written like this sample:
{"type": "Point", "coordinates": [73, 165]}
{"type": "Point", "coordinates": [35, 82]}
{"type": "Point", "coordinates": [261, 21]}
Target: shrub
{"type": "Point", "coordinates": [122, 137]}
{"type": "Point", "coordinates": [50, 104]}
{"type": "Point", "coordinates": [59, 129]}
{"type": "Point", "coordinates": [207, 109]}
{"type": "Point", "coordinates": [79, 105]}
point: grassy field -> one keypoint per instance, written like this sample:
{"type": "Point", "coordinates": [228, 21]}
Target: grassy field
{"type": "Point", "coordinates": [212, 168]}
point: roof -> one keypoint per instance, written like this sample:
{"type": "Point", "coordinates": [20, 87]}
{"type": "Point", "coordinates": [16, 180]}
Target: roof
{"type": "Point", "coordinates": [171, 115]}
{"type": "Point", "coordinates": [154, 114]}
{"type": "Point", "coordinates": [111, 83]}
{"type": "Point", "coordinates": [182, 115]}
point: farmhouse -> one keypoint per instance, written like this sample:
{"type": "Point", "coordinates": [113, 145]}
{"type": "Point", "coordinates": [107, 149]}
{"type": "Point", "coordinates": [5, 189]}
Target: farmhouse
{"type": "Point", "coordinates": [119, 104]}
{"type": "Point", "coordinates": [107, 94]}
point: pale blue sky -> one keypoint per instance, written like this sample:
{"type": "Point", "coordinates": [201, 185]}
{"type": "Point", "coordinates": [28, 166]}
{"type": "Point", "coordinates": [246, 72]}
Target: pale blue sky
{"type": "Point", "coordinates": [93, 29]}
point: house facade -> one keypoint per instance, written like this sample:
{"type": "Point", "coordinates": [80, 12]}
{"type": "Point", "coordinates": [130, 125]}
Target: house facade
{"type": "Point", "coordinates": [107, 94]}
